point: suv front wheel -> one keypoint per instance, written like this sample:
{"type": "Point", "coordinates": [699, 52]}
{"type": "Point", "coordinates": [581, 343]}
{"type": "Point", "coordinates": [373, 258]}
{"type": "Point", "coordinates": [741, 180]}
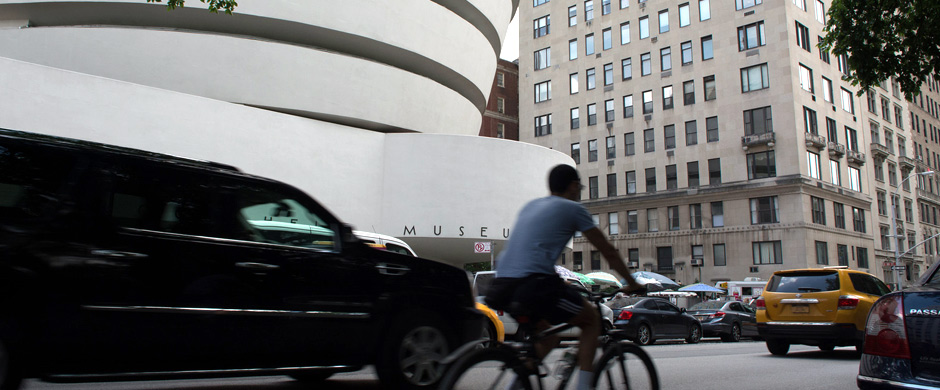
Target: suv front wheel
{"type": "Point", "coordinates": [412, 354]}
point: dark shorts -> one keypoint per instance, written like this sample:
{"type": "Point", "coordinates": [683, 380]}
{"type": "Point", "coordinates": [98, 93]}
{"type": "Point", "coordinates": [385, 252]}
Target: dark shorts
{"type": "Point", "coordinates": [537, 297]}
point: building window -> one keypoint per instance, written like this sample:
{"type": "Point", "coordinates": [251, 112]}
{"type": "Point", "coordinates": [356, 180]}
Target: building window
{"type": "Point", "coordinates": [614, 224]}
{"type": "Point", "coordinates": [695, 216]}
{"type": "Point", "coordinates": [611, 185]}
{"type": "Point", "coordinates": [573, 83]}
{"type": "Point", "coordinates": [611, 147]}
{"type": "Point", "coordinates": [649, 141]}
{"type": "Point", "coordinates": [688, 93]}
{"type": "Point", "coordinates": [802, 37]}
{"type": "Point", "coordinates": [605, 7]}
{"type": "Point", "coordinates": [543, 58]}
{"type": "Point", "coordinates": [573, 49]}
{"type": "Point", "coordinates": [812, 161]}
{"type": "Point", "coordinates": [744, 4]}
{"type": "Point", "coordinates": [754, 78]}
{"type": "Point", "coordinates": [806, 78]}
{"type": "Point", "coordinates": [633, 225]}
{"type": "Point", "coordinates": [665, 58]}
{"type": "Point", "coordinates": [714, 171]}
{"type": "Point", "coordinates": [848, 105]}
{"type": "Point", "coordinates": [629, 145]}
{"type": "Point", "coordinates": [591, 81]}
{"type": "Point", "coordinates": [819, 210]}
{"type": "Point", "coordinates": [758, 121]}
{"type": "Point", "coordinates": [644, 27]}
{"type": "Point", "coordinates": [670, 136]}
{"type": "Point", "coordinates": [646, 66]}
{"type": "Point", "coordinates": [843, 64]}
{"type": "Point", "coordinates": [882, 200]}
{"type": "Point", "coordinates": [751, 36]}
{"type": "Point", "coordinates": [822, 253]}
{"type": "Point", "coordinates": [851, 139]}
{"type": "Point", "coordinates": [628, 106]}
{"type": "Point", "coordinates": [575, 118]}
{"type": "Point", "coordinates": [608, 74]}
{"type": "Point", "coordinates": [672, 179]}
{"type": "Point", "coordinates": [685, 18]}
{"type": "Point", "coordinates": [711, 129]}
{"type": "Point", "coordinates": [625, 33]}
{"type": "Point", "coordinates": [631, 182]}
{"type": "Point", "coordinates": [838, 213]}
{"type": "Point", "coordinates": [710, 88]}
{"type": "Point", "coordinates": [764, 210]}
{"type": "Point", "coordinates": [692, 169]}
{"type": "Point", "coordinates": [572, 16]}
{"type": "Point", "coordinates": [809, 121]}
{"type": "Point", "coordinates": [593, 191]}
{"type": "Point", "coordinates": [672, 215]}
{"type": "Point", "coordinates": [592, 114]}
{"type": "Point", "coordinates": [592, 150]}
{"type": "Point", "coordinates": [823, 55]}
{"type": "Point", "coordinates": [650, 179]}
{"type": "Point", "coordinates": [606, 39]}
{"type": "Point", "coordinates": [543, 125]}
{"type": "Point", "coordinates": [686, 52]}
{"type": "Point", "coordinates": [595, 260]}
{"type": "Point", "coordinates": [500, 105]}
{"type": "Point", "coordinates": [543, 91]}
{"type": "Point", "coordinates": [663, 21]}
{"type": "Point", "coordinates": [536, 3]}
{"type": "Point", "coordinates": [718, 250]}
{"type": "Point", "coordinates": [718, 214]}
{"type": "Point", "coordinates": [589, 10]}
{"type": "Point", "coordinates": [767, 252]}
{"type": "Point", "coordinates": [541, 26]}
{"type": "Point", "coordinates": [801, 4]}
{"type": "Point", "coordinates": [576, 260]}
{"type": "Point", "coordinates": [855, 180]}
{"type": "Point", "coordinates": [667, 97]}
{"type": "Point", "coordinates": [652, 220]}
{"type": "Point", "coordinates": [647, 102]}
{"type": "Point", "coordinates": [576, 152]}
{"type": "Point", "coordinates": [691, 133]}
{"type": "Point", "coordinates": [827, 89]}
{"type": "Point", "coordinates": [704, 10]}
{"type": "Point", "coordinates": [500, 79]}
{"type": "Point", "coordinates": [626, 68]}
{"type": "Point", "coordinates": [835, 173]}
{"type": "Point", "coordinates": [707, 52]}
{"type": "Point", "coordinates": [761, 165]}
{"type": "Point", "coordinates": [609, 110]}
{"type": "Point", "coordinates": [832, 130]}
{"type": "Point", "coordinates": [858, 219]}
{"type": "Point", "coordinates": [861, 256]}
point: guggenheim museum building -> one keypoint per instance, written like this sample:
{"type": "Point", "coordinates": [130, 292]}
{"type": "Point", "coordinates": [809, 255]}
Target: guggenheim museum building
{"type": "Point", "coordinates": [372, 106]}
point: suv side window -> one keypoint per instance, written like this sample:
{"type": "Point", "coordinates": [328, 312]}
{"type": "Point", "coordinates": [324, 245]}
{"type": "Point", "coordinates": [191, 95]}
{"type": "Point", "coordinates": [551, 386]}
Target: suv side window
{"type": "Point", "coordinates": [31, 179]}
{"type": "Point", "coordinates": [271, 215]}
{"type": "Point", "coordinates": [868, 284]}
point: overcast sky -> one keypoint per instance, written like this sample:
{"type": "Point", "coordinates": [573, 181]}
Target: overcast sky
{"type": "Point", "coordinates": [511, 43]}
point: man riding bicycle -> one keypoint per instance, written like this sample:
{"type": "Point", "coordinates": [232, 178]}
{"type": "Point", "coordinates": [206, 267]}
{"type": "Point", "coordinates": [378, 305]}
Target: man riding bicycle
{"type": "Point", "coordinates": [525, 272]}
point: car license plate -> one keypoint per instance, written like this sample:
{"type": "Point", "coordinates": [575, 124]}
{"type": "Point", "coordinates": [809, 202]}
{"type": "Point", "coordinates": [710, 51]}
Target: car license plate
{"type": "Point", "coordinates": [799, 308]}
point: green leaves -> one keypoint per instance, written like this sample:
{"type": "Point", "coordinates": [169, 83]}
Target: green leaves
{"type": "Point", "coordinates": [885, 38]}
{"type": "Point", "coordinates": [214, 5]}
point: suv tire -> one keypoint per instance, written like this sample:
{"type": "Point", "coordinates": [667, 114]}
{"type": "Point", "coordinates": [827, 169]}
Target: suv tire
{"type": "Point", "coordinates": [777, 347]}
{"type": "Point", "coordinates": [412, 353]}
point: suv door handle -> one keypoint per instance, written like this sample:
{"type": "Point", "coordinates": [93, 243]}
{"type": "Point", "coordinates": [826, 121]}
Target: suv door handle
{"type": "Point", "coordinates": [392, 269]}
{"type": "Point", "coordinates": [257, 266]}
{"type": "Point", "coordinates": [117, 254]}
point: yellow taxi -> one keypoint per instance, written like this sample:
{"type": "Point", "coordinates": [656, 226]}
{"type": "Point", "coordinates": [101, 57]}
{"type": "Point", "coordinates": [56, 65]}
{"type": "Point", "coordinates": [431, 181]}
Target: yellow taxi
{"type": "Point", "coordinates": [494, 330]}
{"type": "Point", "coordinates": [824, 307]}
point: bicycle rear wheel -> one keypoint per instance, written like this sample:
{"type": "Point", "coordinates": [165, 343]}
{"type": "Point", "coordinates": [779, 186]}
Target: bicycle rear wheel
{"type": "Point", "coordinates": [491, 369]}
{"type": "Point", "coordinates": [625, 366]}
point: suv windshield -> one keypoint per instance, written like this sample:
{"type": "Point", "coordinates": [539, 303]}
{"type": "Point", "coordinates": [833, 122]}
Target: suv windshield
{"type": "Point", "coordinates": [804, 282]}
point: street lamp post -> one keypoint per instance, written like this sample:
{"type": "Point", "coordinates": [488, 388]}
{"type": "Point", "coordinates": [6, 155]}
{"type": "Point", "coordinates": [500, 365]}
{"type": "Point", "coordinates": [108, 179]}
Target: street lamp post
{"type": "Point", "coordinates": [894, 229]}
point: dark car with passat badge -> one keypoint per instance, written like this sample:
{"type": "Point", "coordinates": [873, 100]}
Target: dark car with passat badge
{"type": "Point", "coordinates": [902, 338]}
{"type": "Point", "coordinates": [122, 264]}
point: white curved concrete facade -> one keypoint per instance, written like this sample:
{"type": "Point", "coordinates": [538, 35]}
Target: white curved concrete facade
{"type": "Point", "coordinates": [371, 106]}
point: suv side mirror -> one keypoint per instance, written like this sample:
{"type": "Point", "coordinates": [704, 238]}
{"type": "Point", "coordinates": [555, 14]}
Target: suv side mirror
{"type": "Point", "coordinates": [346, 233]}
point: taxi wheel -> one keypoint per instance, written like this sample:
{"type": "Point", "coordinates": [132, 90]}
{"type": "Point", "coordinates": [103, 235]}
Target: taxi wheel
{"type": "Point", "coordinates": [779, 348]}
{"type": "Point", "coordinates": [489, 334]}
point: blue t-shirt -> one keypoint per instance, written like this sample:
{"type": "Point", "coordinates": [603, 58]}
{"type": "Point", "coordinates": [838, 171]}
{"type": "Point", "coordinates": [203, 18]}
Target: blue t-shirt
{"type": "Point", "coordinates": [542, 230]}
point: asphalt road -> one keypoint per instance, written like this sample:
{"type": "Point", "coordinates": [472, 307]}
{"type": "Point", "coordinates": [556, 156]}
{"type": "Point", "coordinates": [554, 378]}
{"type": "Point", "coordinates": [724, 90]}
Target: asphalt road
{"type": "Point", "coordinates": [710, 365]}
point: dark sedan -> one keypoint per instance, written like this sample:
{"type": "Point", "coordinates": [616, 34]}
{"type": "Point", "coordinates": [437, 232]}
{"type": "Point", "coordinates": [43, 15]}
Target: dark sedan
{"type": "Point", "coordinates": [729, 320]}
{"type": "Point", "coordinates": [644, 320]}
{"type": "Point", "coordinates": [902, 337]}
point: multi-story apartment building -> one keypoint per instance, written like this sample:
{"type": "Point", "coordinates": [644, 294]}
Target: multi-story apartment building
{"type": "Point", "coordinates": [501, 117]}
{"type": "Point", "coordinates": [715, 140]}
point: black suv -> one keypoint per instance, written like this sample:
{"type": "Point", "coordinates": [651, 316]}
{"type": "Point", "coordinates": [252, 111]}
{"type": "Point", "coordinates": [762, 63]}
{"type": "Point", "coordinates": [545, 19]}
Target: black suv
{"type": "Point", "coordinates": [120, 264]}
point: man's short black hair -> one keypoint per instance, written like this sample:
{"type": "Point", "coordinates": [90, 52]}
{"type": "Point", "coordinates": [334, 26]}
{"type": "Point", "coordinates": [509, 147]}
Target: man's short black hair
{"type": "Point", "coordinates": [561, 176]}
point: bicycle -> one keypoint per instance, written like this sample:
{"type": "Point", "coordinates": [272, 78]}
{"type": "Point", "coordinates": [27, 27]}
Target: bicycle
{"type": "Point", "coordinates": [492, 368]}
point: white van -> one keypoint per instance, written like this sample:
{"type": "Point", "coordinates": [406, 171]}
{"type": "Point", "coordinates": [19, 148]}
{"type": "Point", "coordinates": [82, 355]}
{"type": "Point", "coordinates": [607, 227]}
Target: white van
{"type": "Point", "coordinates": [391, 244]}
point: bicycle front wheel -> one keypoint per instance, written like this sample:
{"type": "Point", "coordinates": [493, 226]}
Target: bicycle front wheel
{"type": "Point", "coordinates": [491, 369]}
{"type": "Point", "coordinates": [625, 366]}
